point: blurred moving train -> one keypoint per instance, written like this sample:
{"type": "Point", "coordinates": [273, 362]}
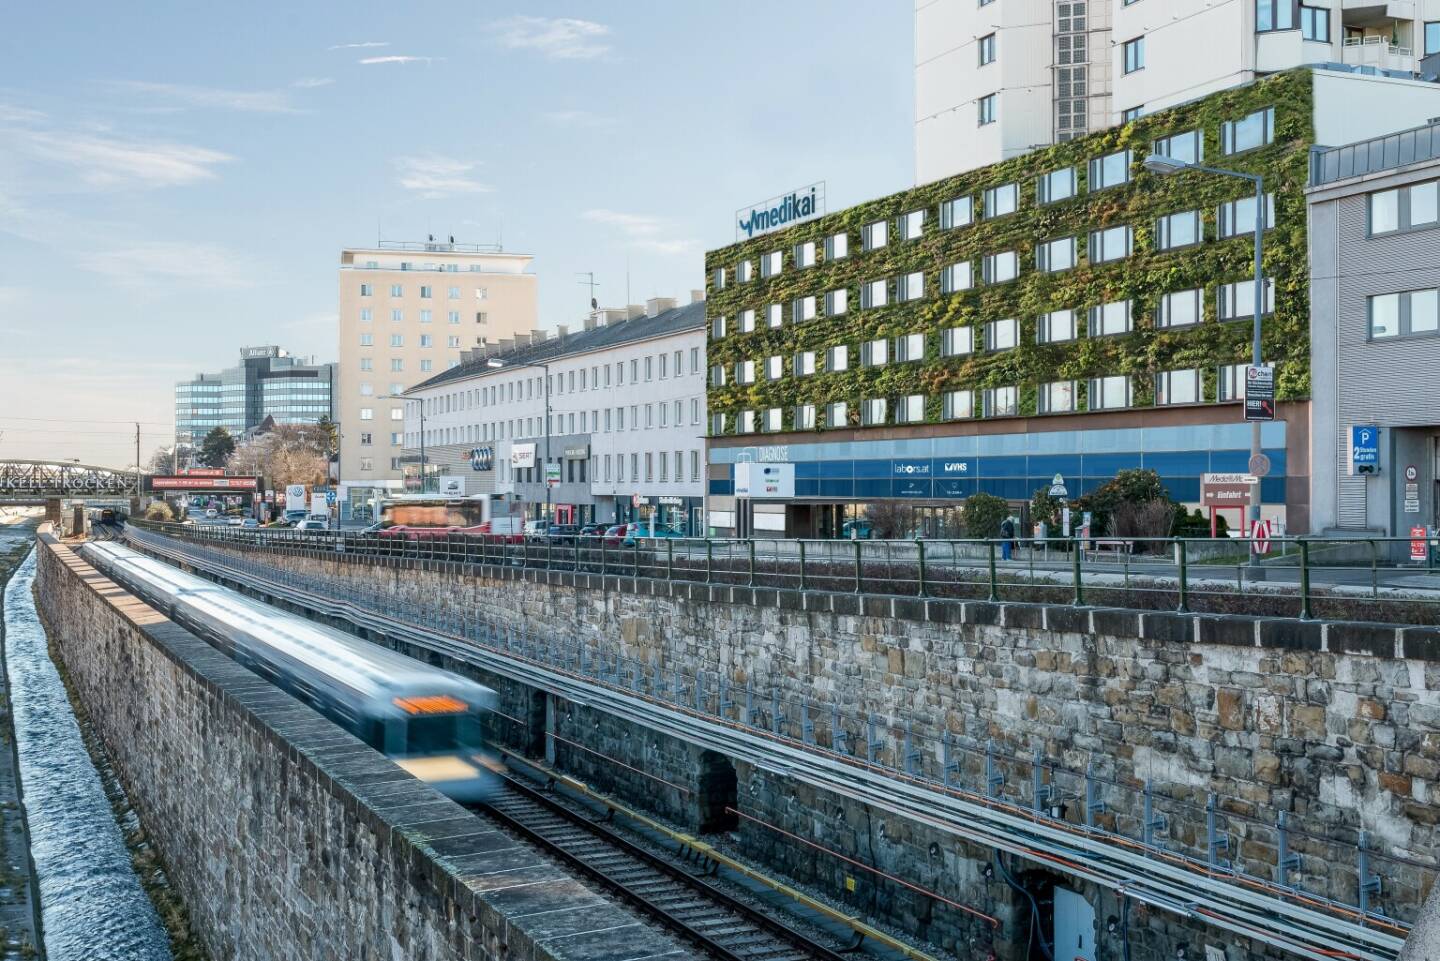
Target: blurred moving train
{"type": "Point", "coordinates": [426, 720]}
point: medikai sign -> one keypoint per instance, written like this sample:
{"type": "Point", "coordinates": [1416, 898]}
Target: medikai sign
{"type": "Point", "coordinates": [803, 204]}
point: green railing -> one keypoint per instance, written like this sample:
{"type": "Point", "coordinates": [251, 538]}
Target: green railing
{"type": "Point", "coordinates": [1381, 579]}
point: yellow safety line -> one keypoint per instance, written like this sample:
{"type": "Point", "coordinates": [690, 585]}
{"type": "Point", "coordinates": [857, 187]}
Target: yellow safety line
{"type": "Point", "coordinates": [695, 844]}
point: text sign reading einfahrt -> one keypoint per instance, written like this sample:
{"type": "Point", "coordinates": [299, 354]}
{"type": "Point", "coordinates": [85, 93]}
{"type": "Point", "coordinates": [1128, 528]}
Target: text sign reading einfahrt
{"type": "Point", "coordinates": [806, 203]}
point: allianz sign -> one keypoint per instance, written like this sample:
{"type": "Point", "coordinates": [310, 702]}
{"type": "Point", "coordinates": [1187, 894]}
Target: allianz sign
{"type": "Point", "coordinates": [803, 204]}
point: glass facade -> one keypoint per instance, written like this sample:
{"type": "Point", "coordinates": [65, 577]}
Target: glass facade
{"type": "Point", "coordinates": [267, 382]}
{"type": "Point", "coordinates": [1014, 466]}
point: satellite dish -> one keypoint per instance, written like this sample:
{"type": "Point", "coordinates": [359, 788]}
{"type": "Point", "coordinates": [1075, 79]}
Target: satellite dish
{"type": "Point", "coordinates": [452, 238]}
{"type": "Point", "coordinates": [594, 304]}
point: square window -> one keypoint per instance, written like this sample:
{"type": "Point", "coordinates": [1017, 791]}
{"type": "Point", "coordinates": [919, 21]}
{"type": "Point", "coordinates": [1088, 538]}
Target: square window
{"type": "Point", "coordinates": [873, 236]}
{"type": "Point", "coordinates": [837, 414]}
{"type": "Point", "coordinates": [874, 293]}
{"type": "Point", "coordinates": [1056, 397]}
{"type": "Point", "coordinates": [1002, 334]}
{"type": "Point", "coordinates": [1177, 387]}
{"type": "Point", "coordinates": [999, 268]}
{"type": "Point", "coordinates": [1002, 200]}
{"type": "Point", "coordinates": [837, 246]}
{"type": "Point", "coordinates": [1055, 185]}
{"type": "Point", "coordinates": [1177, 230]}
{"type": "Point", "coordinates": [1180, 308]}
{"type": "Point", "coordinates": [957, 341]}
{"type": "Point", "coordinates": [957, 277]}
{"type": "Point", "coordinates": [959, 212]}
{"type": "Point", "coordinates": [958, 404]}
{"type": "Point", "coordinates": [1109, 393]}
{"type": "Point", "coordinates": [1055, 255]}
{"type": "Point", "coordinates": [986, 47]}
{"type": "Point", "coordinates": [1187, 147]}
{"type": "Point", "coordinates": [1002, 401]}
{"type": "Point", "coordinates": [1110, 244]}
{"type": "Point", "coordinates": [1133, 55]}
{"type": "Point", "coordinates": [911, 225]}
{"type": "Point", "coordinates": [805, 254]}
{"type": "Point", "coordinates": [836, 302]}
{"type": "Point", "coordinates": [1111, 170]}
{"type": "Point", "coordinates": [986, 110]}
{"type": "Point", "coordinates": [1255, 130]}
{"type": "Point", "coordinates": [1055, 327]}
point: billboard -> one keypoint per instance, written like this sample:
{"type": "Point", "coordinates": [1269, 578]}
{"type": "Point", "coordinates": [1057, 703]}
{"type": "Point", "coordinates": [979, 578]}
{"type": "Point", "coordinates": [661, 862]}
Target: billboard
{"type": "Point", "coordinates": [295, 497]}
{"type": "Point", "coordinates": [522, 456]}
{"type": "Point", "coordinates": [765, 481]}
{"type": "Point", "coordinates": [203, 483]}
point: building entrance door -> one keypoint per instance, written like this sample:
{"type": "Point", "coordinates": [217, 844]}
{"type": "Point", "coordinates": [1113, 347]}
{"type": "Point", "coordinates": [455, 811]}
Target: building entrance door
{"type": "Point", "coordinates": [1074, 927]}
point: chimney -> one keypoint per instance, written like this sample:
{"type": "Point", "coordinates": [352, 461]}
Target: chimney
{"type": "Point", "coordinates": [656, 306]}
{"type": "Point", "coordinates": [634, 310]}
{"type": "Point", "coordinates": [591, 321]}
{"type": "Point", "coordinates": [696, 296]}
{"type": "Point", "coordinates": [537, 336]}
{"type": "Point", "coordinates": [561, 330]}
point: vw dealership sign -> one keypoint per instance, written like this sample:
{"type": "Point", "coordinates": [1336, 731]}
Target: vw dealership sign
{"type": "Point", "coordinates": [806, 203]}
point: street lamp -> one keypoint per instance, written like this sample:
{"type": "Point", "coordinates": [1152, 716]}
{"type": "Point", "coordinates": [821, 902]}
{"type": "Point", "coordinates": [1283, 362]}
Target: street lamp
{"type": "Point", "coordinates": [1165, 166]}
{"type": "Point", "coordinates": [421, 402]}
{"type": "Point", "coordinates": [495, 363]}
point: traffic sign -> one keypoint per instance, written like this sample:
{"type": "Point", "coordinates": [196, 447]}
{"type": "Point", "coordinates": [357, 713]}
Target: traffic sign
{"type": "Point", "coordinates": [1417, 543]}
{"type": "Point", "coordinates": [552, 474]}
{"type": "Point", "coordinates": [1259, 393]}
{"type": "Point", "coordinates": [1057, 487]}
{"type": "Point", "coordinates": [1364, 449]}
{"type": "Point", "coordinates": [1259, 465]}
{"type": "Point", "coordinates": [330, 498]}
{"type": "Point", "coordinates": [1260, 537]}
{"type": "Point", "coordinates": [1412, 489]}
{"type": "Point", "coordinates": [1227, 490]}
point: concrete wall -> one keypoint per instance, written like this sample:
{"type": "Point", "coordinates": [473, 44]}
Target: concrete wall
{"type": "Point", "coordinates": [285, 836]}
{"type": "Point", "coordinates": [1331, 725]}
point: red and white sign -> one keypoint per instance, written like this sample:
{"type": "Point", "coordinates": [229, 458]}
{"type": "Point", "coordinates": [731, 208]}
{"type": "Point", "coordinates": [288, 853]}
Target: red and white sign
{"type": "Point", "coordinates": [1260, 537]}
{"type": "Point", "coordinates": [203, 471]}
{"type": "Point", "coordinates": [204, 483]}
{"type": "Point", "coordinates": [1417, 543]}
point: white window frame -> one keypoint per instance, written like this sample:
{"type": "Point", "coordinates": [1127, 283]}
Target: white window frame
{"type": "Point", "coordinates": [1165, 310]}
{"type": "Point", "coordinates": [957, 342]}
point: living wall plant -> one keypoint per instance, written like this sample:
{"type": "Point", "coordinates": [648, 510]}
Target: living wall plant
{"type": "Point", "coordinates": [1143, 277]}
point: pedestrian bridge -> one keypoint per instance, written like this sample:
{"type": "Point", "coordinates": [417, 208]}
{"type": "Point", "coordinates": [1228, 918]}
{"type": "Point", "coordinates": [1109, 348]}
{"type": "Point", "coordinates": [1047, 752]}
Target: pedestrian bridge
{"type": "Point", "coordinates": [33, 481]}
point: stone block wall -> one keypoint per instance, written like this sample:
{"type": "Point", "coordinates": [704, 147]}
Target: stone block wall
{"type": "Point", "coordinates": [285, 836]}
{"type": "Point", "coordinates": [1337, 725]}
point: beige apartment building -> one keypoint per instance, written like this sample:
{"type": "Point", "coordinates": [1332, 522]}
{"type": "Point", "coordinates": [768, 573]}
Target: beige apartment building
{"type": "Point", "coordinates": [407, 310]}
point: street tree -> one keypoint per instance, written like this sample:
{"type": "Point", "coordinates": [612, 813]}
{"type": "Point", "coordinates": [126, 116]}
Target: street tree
{"type": "Point", "coordinates": [288, 454]}
{"type": "Point", "coordinates": [216, 448]}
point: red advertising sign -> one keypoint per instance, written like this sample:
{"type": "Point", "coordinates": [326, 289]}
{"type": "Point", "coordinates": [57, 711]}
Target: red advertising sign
{"type": "Point", "coordinates": [204, 483]}
{"type": "Point", "coordinates": [1417, 543]}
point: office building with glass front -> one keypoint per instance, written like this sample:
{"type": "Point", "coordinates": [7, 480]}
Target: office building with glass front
{"type": "Point", "coordinates": [1064, 312]}
{"type": "Point", "coordinates": [268, 382]}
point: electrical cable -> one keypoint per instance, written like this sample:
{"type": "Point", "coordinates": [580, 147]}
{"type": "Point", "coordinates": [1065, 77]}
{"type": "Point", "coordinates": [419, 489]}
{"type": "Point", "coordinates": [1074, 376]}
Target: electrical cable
{"type": "Point", "coordinates": [1125, 927]}
{"type": "Point", "coordinates": [1036, 935]}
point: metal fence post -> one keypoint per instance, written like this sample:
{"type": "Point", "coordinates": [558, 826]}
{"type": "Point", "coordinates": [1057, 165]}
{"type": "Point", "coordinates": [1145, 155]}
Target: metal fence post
{"type": "Point", "coordinates": [751, 542]}
{"type": "Point", "coordinates": [859, 579]}
{"type": "Point", "coordinates": [669, 559]}
{"type": "Point", "coordinates": [1184, 578]}
{"type": "Point", "coordinates": [1305, 613]}
{"type": "Point", "coordinates": [709, 559]}
{"type": "Point", "coordinates": [802, 563]}
{"type": "Point", "coordinates": [920, 568]}
{"type": "Point", "coordinates": [994, 575]}
{"type": "Point", "coordinates": [1374, 569]}
{"type": "Point", "coordinates": [1075, 563]}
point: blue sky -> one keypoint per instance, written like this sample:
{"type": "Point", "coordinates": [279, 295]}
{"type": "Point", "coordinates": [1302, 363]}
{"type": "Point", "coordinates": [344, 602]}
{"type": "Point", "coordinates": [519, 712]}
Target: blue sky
{"type": "Point", "coordinates": [176, 179]}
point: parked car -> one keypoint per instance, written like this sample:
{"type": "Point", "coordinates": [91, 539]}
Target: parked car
{"type": "Point", "coordinates": [643, 532]}
{"type": "Point", "coordinates": [593, 530]}
{"type": "Point", "coordinates": [615, 534]}
{"type": "Point", "coordinates": [234, 521]}
{"type": "Point", "coordinates": [536, 528]}
{"type": "Point", "coordinates": [211, 513]}
{"type": "Point", "coordinates": [313, 525]}
{"type": "Point", "coordinates": [562, 533]}
{"type": "Point", "coordinates": [249, 522]}
{"type": "Point", "coordinates": [856, 530]}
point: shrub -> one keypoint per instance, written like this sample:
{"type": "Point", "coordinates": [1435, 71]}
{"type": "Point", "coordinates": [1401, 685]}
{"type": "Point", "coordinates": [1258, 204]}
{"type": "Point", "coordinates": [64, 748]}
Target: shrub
{"type": "Point", "coordinates": [983, 515]}
{"type": "Point", "coordinates": [159, 511]}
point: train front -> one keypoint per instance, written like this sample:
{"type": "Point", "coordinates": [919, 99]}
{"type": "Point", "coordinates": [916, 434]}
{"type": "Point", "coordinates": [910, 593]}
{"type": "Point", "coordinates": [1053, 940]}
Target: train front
{"type": "Point", "coordinates": [437, 735]}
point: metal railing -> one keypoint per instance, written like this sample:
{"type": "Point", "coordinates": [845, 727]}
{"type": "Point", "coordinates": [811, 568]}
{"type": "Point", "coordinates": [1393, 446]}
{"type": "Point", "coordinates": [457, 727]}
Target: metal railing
{"type": "Point", "coordinates": [1300, 857]}
{"type": "Point", "coordinates": [1389, 580]}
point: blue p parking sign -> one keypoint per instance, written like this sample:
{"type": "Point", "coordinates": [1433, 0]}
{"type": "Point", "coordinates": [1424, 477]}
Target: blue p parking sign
{"type": "Point", "coordinates": [1365, 448]}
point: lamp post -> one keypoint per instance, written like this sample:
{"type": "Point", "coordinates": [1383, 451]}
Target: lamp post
{"type": "Point", "coordinates": [1166, 166]}
{"type": "Point", "coordinates": [421, 402]}
{"type": "Point", "coordinates": [495, 363]}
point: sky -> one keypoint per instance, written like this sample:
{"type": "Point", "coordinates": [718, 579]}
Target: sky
{"type": "Point", "coordinates": [177, 179]}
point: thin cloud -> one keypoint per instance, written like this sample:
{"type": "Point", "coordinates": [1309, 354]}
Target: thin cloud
{"type": "Point", "coordinates": [102, 161]}
{"type": "Point", "coordinates": [398, 58]}
{"type": "Point", "coordinates": [244, 101]}
{"type": "Point", "coordinates": [577, 119]}
{"type": "Point", "coordinates": [360, 46]}
{"type": "Point", "coordinates": [559, 38]}
{"type": "Point", "coordinates": [308, 83]}
{"type": "Point", "coordinates": [643, 232]}
{"type": "Point", "coordinates": [163, 264]}
{"type": "Point", "coordinates": [434, 177]}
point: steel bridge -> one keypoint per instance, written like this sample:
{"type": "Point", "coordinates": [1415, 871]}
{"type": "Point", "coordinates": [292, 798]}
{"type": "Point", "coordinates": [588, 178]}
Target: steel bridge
{"type": "Point", "coordinates": [35, 481]}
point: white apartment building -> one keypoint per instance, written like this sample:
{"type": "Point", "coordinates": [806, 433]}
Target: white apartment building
{"type": "Point", "coordinates": [996, 78]}
{"type": "Point", "coordinates": [406, 312]}
{"type": "Point", "coordinates": [627, 419]}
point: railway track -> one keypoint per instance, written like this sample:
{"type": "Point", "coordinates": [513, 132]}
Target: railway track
{"type": "Point", "coordinates": [724, 927]}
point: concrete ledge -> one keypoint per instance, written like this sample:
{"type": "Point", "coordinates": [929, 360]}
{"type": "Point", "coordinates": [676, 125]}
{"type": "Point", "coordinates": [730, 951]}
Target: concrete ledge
{"type": "Point", "coordinates": [1377, 640]}
{"type": "Point", "coordinates": [1224, 629]}
{"type": "Point", "coordinates": [1168, 627]}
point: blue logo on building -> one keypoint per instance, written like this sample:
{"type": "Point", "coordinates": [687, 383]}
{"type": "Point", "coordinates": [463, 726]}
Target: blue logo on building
{"type": "Point", "coordinates": [780, 212]}
{"type": "Point", "coordinates": [482, 458]}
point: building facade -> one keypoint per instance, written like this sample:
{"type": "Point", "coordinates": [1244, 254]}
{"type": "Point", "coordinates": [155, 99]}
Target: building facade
{"type": "Point", "coordinates": [988, 75]}
{"type": "Point", "coordinates": [1066, 312]}
{"type": "Point", "coordinates": [627, 419]}
{"type": "Point", "coordinates": [268, 382]}
{"type": "Point", "coordinates": [1375, 324]}
{"type": "Point", "coordinates": [407, 310]}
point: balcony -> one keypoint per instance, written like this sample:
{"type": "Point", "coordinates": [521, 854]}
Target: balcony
{"type": "Point", "coordinates": [1377, 51]}
{"type": "Point", "coordinates": [1374, 13]}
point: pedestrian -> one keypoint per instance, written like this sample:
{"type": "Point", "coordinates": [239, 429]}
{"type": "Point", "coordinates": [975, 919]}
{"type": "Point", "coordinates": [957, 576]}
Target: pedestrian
{"type": "Point", "coordinates": [1007, 538]}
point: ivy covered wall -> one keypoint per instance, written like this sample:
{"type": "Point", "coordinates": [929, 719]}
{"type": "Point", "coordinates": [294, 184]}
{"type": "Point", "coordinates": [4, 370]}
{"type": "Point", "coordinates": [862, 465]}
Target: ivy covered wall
{"type": "Point", "coordinates": [1143, 277]}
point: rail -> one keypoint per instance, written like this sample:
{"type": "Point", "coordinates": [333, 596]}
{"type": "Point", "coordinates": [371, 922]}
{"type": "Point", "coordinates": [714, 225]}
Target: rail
{"type": "Point", "coordinates": [1078, 809]}
{"type": "Point", "coordinates": [1393, 580]}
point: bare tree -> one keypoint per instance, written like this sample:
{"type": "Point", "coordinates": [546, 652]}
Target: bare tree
{"type": "Point", "coordinates": [289, 454]}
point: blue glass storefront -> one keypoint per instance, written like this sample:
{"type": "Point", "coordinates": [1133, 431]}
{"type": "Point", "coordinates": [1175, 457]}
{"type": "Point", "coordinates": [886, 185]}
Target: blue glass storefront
{"type": "Point", "coordinates": [1014, 466]}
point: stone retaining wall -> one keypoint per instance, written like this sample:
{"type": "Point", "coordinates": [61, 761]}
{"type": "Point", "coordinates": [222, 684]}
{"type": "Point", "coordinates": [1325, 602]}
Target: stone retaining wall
{"type": "Point", "coordinates": [1338, 725]}
{"type": "Point", "coordinates": [285, 836]}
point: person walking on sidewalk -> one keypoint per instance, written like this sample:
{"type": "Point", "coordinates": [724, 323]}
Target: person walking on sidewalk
{"type": "Point", "coordinates": [1007, 538]}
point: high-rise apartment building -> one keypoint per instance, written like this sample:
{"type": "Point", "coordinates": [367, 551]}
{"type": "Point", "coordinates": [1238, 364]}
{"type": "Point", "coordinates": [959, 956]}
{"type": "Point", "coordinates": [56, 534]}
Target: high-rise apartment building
{"type": "Point", "coordinates": [997, 78]}
{"type": "Point", "coordinates": [268, 382]}
{"type": "Point", "coordinates": [407, 310]}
